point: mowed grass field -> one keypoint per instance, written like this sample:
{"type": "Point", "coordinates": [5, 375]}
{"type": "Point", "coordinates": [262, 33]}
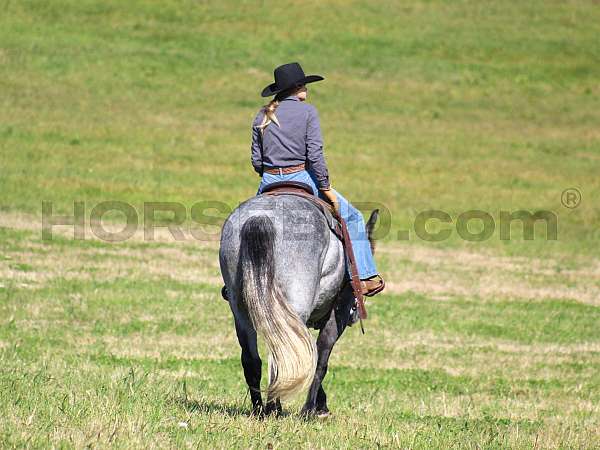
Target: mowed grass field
{"type": "Point", "coordinates": [453, 106]}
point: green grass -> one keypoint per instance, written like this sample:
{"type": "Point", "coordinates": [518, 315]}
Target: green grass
{"type": "Point", "coordinates": [127, 345]}
{"type": "Point", "coordinates": [426, 105]}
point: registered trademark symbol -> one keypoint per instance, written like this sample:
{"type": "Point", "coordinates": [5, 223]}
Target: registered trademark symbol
{"type": "Point", "coordinates": [570, 198]}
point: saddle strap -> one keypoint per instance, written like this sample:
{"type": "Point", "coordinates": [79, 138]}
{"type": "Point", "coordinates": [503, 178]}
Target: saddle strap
{"type": "Point", "coordinates": [354, 278]}
{"type": "Point", "coordinates": [344, 237]}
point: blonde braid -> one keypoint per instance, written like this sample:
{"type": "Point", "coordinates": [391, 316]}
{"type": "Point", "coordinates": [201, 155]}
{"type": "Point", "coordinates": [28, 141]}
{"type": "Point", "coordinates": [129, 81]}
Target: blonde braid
{"type": "Point", "coordinates": [269, 116]}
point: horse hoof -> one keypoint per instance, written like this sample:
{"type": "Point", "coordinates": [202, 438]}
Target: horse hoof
{"type": "Point", "coordinates": [315, 413]}
{"type": "Point", "coordinates": [323, 415]}
{"type": "Point", "coordinates": [275, 412]}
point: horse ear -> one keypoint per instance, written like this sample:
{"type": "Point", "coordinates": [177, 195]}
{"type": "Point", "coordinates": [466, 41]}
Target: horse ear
{"type": "Point", "coordinates": [370, 226]}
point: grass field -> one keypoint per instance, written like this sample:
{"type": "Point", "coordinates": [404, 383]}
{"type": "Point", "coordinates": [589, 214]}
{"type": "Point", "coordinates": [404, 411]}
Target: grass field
{"type": "Point", "coordinates": [441, 105]}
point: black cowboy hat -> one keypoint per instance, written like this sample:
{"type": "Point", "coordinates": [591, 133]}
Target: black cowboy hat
{"type": "Point", "coordinates": [288, 76]}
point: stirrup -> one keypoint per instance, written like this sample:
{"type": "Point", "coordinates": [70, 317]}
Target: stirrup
{"type": "Point", "coordinates": [353, 315]}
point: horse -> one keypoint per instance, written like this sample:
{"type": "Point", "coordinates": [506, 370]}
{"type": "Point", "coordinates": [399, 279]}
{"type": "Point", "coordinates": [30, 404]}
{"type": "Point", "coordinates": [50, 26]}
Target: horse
{"type": "Point", "coordinates": [284, 271]}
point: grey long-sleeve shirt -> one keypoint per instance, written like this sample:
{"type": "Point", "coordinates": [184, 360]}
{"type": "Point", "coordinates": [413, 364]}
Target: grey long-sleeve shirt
{"type": "Point", "coordinates": [298, 140]}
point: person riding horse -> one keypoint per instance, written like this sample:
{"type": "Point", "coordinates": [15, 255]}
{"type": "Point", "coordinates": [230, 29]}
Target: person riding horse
{"type": "Point", "coordinates": [288, 146]}
{"type": "Point", "coordinates": [281, 282]}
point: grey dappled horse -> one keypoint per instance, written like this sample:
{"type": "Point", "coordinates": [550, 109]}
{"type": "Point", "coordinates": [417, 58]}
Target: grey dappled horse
{"type": "Point", "coordinates": [284, 269]}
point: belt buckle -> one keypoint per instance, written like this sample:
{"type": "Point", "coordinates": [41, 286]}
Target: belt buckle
{"type": "Point", "coordinates": [280, 171]}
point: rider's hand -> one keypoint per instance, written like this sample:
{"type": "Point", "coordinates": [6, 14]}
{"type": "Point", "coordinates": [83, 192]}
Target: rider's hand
{"type": "Point", "coordinates": [332, 198]}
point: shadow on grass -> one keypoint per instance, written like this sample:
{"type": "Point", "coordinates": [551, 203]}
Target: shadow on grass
{"type": "Point", "coordinates": [209, 406]}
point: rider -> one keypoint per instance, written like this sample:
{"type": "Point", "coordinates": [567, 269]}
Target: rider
{"type": "Point", "coordinates": [287, 146]}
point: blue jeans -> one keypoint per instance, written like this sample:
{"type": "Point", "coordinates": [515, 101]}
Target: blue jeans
{"type": "Point", "coordinates": [354, 220]}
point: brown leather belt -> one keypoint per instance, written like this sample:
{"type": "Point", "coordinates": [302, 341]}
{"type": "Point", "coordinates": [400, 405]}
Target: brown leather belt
{"type": "Point", "coordinates": [282, 170]}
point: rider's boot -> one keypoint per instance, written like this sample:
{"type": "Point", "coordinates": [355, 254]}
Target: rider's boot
{"type": "Point", "coordinates": [372, 286]}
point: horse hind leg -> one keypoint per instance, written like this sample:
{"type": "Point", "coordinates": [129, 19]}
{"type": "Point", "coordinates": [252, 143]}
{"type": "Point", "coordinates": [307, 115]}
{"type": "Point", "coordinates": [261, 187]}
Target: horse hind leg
{"type": "Point", "coordinates": [251, 363]}
{"type": "Point", "coordinates": [316, 402]}
{"type": "Point", "coordinates": [321, 408]}
{"type": "Point", "coordinates": [325, 342]}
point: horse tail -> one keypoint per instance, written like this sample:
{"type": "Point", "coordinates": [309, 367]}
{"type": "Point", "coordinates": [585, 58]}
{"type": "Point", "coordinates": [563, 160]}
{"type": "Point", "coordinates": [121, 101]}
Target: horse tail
{"type": "Point", "coordinates": [292, 351]}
